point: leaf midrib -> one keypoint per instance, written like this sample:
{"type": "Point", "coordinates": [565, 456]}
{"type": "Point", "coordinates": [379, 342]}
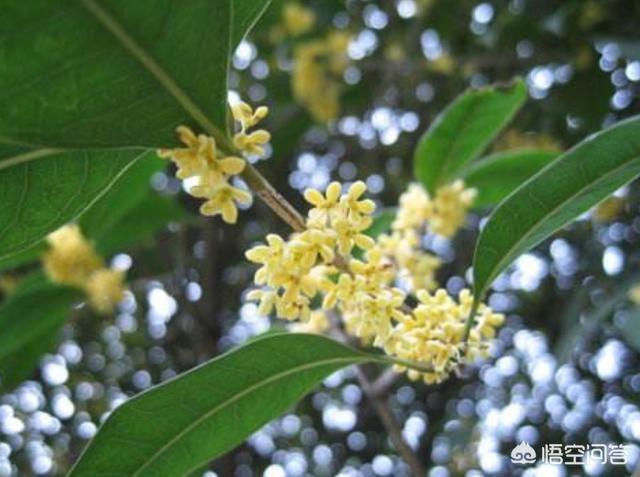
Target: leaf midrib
{"type": "Point", "coordinates": [455, 146]}
{"type": "Point", "coordinates": [139, 53]}
{"type": "Point", "coordinates": [239, 396]}
{"type": "Point", "coordinates": [507, 256]}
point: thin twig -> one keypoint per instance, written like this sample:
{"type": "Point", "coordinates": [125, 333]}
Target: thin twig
{"type": "Point", "coordinates": [389, 422]}
{"type": "Point", "coordinates": [376, 395]}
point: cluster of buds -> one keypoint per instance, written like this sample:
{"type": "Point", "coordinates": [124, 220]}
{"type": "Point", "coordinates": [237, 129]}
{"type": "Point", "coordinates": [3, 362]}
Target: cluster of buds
{"type": "Point", "coordinates": [71, 260]}
{"type": "Point", "coordinates": [296, 20]}
{"type": "Point", "coordinates": [211, 171]}
{"type": "Point", "coordinates": [317, 266]}
{"type": "Point", "coordinates": [318, 67]}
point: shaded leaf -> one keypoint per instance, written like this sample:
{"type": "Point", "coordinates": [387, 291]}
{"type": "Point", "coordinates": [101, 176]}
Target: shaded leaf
{"type": "Point", "coordinates": [563, 190]}
{"type": "Point", "coordinates": [178, 426]}
{"type": "Point", "coordinates": [131, 189]}
{"type": "Point", "coordinates": [151, 214]}
{"type": "Point", "coordinates": [497, 175]}
{"type": "Point", "coordinates": [85, 86]}
{"type": "Point", "coordinates": [39, 196]}
{"type": "Point", "coordinates": [463, 130]}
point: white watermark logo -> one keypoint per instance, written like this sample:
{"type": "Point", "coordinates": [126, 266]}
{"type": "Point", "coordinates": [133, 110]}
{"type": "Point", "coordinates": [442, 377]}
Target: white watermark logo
{"type": "Point", "coordinates": [570, 454]}
{"type": "Point", "coordinates": [523, 453]}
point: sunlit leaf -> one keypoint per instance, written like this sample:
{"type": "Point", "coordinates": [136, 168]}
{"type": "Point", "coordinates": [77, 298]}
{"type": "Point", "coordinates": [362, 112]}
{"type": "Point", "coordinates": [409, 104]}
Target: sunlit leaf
{"type": "Point", "coordinates": [496, 176]}
{"type": "Point", "coordinates": [178, 426]}
{"type": "Point", "coordinates": [563, 190]}
{"type": "Point", "coordinates": [463, 130]}
{"type": "Point", "coordinates": [87, 85]}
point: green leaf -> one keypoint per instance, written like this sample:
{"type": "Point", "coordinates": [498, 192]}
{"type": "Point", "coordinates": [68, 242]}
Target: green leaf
{"type": "Point", "coordinates": [497, 175]}
{"type": "Point", "coordinates": [382, 222]}
{"type": "Point", "coordinates": [87, 86]}
{"type": "Point", "coordinates": [116, 73]}
{"type": "Point", "coordinates": [30, 322]}
{"type": "Point", "coordinates": [39, 196]}
{"type": "Point", "coordinates": [126, 194]}
{"type": "Point", "coordinates": [130, 188]}
{"type": "Point", "coordinates": [178, 426]}
{"type": "Point", "coordinates": [562, 191]}
{"type": "Point", "coordinates": [463, 130]}
{"type": "Point", "coordinates": [148, 216]}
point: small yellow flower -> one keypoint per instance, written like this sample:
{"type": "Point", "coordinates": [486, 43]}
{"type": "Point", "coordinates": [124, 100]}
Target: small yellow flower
{"type": "Point", "coordinates": [450, 207]}
{"type": "Point", "coordinates": [351, 235]}
{"type": "Point", "coordinates": [415, 208]}
{"type": "Point", "coordinates": [317, 69]}
{"type": "Point", "coordinates": [70, 259]}
{"type": "Point", "coordinates": [105, 289]}
{"type": "Point", "coordinates": [355, 207]}
{"type": "Point", "coordinates": [376, 271]}
{"type": "Point", "coordinates": [433, 334]}
{"type": "Point", "coordinates": [270, 256]}
{"type": "Point", "coordinates": [252, 143]}
{"type": "Point", "coordinates": [302, 270]}
{"type": "Point", "coordinates": [297, 19]}
{"type": "Point", "coordinates": [202, 161]}
{"type": "Point", "coordinates": [246, 116]}
{"type": "Point", "coordinates": [318, 323]}
{"type": "Point", "coordinates": [192, 159]}
{"type": "Point", "coordinates": [222, 199]}
{"type": "Point", "coordinates": [313, 244]}
{"type": "Point", "coordinates": [324, 206]}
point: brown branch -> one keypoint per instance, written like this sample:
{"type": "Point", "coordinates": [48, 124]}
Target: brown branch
{"type": "Point", "coordinates": [273, 198]}
{"type": "Point", "coordinates": [380, 405]}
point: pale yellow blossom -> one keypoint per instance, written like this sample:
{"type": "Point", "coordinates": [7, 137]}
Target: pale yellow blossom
{"type": "Point", "coordinates": [71, 260]}
{"type": "Point", "coordinates": [105, 289]}
{"type": "Point", "coordinates": [297, 19]}
{"type": "Point", "coordinates": [211, 170]}
{"type": "Point", "coordinates": [317, 69]}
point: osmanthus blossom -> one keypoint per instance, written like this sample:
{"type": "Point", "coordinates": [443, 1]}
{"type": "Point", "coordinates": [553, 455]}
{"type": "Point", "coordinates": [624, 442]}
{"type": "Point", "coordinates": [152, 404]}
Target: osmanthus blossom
{"type": "Point", "coordinates": [71, 260]}
{"type": "Point", "coordinates": [210, 169]}
{"type": "Point", "coordinates": [317, 266]}
{"type": "Point", "coordinates": [315, 271]}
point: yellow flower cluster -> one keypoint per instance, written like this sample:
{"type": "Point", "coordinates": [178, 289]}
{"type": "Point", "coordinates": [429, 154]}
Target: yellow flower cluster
{"type": "Point", "coordinates": [317, 266]}
{"type": "Point", "coordinates": [202, 162]}
{"type": "Point", "coordinates": [71, 260]}
{"type": "Point", "coordinates": [317, 69]}
{"type": "Point", "coordinates": [297, 19]}
{"type": "Point", "coordinates": [295, 271]}
{"type": "Point", "coordinates": [444, 215]}
{"type": "Point", "coordinates": [433, 333]}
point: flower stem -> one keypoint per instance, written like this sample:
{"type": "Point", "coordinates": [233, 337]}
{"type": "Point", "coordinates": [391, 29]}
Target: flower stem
{"type": "Point", "coordinates": [274, 200]}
